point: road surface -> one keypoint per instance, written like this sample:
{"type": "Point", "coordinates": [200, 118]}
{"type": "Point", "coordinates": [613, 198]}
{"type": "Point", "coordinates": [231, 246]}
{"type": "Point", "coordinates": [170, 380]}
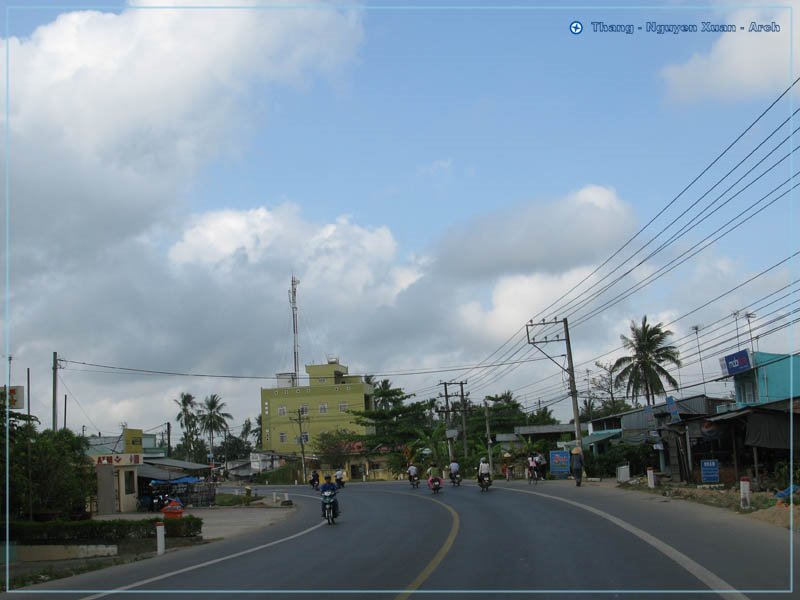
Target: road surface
{"type": "Point", "coordinates": [517, 540]}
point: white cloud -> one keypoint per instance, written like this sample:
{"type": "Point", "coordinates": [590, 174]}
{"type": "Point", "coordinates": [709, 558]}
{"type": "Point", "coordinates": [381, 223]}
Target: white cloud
{"type": "Point", "coordinates": [561, 235]}
{"type": "Point", "coordinates": [740, 65]}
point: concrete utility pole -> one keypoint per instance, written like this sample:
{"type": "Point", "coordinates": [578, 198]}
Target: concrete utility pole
{"type": "Point", "coordinates": [299, 421]}
{"type": "Point", "coordinates": [570, 370]}
{"type": "Point", "coordinates": [65, 412]}
{"type": "Point", "coordinates": [447, 420]}
{"type": "Point", "coordinates": [55, 391]}
{"type": "Point", "coordinates": [488, 436]}
{"type": "Point", "coordinates": [463, 419]}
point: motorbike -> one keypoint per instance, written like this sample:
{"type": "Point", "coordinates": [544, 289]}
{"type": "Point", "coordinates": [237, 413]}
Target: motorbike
{"type": "Point", "coordinates": [484, 482]}
{"type": "Point", "coordinates": [314, 483]}
{"type": "Point", "coordinates": [455, 479]}
{"type": "Point", "coordinates": [339, 483]}
{"type": "Point", "coordinates": [414, 479]}
{"type": "Point", "coordinates": [328, 499]}
{"type": "Point", "coordinates": [436, 485]}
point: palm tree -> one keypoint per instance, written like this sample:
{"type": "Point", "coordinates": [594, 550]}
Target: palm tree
{"type": "Point", "coordinates": [642, 371]}
{"type": "Point", "coordinates": [187, 419]}
{"type": "Point", "coordinates": [212, 419]}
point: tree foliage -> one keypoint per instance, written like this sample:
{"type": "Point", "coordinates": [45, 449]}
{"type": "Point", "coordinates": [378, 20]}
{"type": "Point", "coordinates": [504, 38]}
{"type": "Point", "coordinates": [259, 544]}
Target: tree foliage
{"type": "Point", "coordinates": [642, 371]}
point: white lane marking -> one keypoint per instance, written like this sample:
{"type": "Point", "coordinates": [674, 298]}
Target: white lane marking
{"type": "Point", "coordinates": [205, 564]}
{"type": "Point", "coordinates": [699, 571]}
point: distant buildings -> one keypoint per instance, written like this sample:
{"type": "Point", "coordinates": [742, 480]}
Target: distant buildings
{"type": "Point", "coordinates": [291, 412]}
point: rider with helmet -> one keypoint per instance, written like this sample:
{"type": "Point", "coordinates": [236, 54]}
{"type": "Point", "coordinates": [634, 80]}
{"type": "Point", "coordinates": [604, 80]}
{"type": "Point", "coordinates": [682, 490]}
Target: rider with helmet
{"type": "Point", "coordinates": [329, 486]}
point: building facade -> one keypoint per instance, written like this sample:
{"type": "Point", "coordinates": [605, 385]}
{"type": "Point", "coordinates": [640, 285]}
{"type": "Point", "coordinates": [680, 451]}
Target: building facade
{"type": "Point", "coordinates": [323, 405]}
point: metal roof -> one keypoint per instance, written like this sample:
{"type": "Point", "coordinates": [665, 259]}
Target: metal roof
{"type": "Point", "coordinates": [533, 429]}
{"type": "Point", "coordinates": [177, 464]}
{"type": "Point", "coordinates": [595, 437]}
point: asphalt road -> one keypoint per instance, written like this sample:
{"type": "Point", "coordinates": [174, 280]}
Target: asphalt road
{"type": "Point", "coordinates": [549, 540]}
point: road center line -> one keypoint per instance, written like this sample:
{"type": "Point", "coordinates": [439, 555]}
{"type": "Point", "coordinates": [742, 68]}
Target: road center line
{"type": "Point", "coordinates": [699, 571]}
{"type": "Point", "coordinates": [439, 556]}
{"type": "Point", "coordinates": [207, 563]}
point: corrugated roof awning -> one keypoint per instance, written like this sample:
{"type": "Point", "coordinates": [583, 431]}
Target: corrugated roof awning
{"type": "Point", "coordinates": [733, 414]}
{"type": "Point", "coordinates": [596, 437]}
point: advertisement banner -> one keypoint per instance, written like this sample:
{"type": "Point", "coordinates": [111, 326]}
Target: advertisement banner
{"type": "Point", "coordinates": [559, 462]}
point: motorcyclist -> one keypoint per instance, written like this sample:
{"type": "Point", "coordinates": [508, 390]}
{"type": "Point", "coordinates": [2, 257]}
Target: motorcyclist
{"type": "Point", "coordinates": [314, 481]}
{"type": "Point", "coordinates": [412, 471]}
{"type": "Point", "coordinates": [541, 465]}
{"type": "Point", "coordinates": [433, 475]}
{"type": "Point", "coordinates": [328, 486]}
{"type": "Point", "coordinates": [339, 477]}
{"type": "Point", "coordinates": [454, 468]}
{"type": "Point", "coordinates": [483, 470]}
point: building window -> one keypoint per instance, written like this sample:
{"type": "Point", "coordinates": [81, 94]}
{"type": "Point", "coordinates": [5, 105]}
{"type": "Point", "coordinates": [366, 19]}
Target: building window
{"type": "Point", "coordinates": [281, 411]}
{"type": "Point", "coordinates": [320, 380]}
{"type": "Point", "coordinates": [347, 388]}
{"type": "Point", "coordinates": [130, 484]}
{"type": "Point", "coordinates": [323, 408]}
{"type": "Point", "coordinates": [282, 436]}
{"type": "Point", "coordinates": [342, 406]}
{"type": "Point", "coordinates": [304, 409]}
{"type": "Point", "coordinates": [305, 437]}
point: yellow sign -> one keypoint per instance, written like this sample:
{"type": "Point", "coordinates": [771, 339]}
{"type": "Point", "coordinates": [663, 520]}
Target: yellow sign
{"type": "Point", "coordinates": [133, 441]}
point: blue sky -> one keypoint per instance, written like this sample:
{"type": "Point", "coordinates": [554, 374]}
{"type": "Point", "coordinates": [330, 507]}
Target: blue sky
{"type": "Point", "coordinates": [434, 177]}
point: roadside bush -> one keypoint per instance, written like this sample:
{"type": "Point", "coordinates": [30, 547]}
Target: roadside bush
{"type": "Point", "coordinates": [112, 531]}
{"type": "Point", "coordinates": [639, 456]}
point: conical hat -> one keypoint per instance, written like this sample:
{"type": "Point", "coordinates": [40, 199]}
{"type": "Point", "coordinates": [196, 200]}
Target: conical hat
{"type": "Point", "coordinates": [576, 450]}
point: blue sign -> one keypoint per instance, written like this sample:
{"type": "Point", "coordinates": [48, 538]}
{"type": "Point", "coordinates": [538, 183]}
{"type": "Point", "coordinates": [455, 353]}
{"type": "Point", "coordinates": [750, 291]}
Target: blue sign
{"type": "Point", "coordinates": [738, 362]}
{"type": "Point", "coordinates": [709, 471]}
{"type": "Point", "coordinates": [673, 409]}
{"type": "Point", "coordinates": [559, 461]}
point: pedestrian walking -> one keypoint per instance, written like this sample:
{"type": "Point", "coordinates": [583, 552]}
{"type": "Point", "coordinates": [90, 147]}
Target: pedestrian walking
{"type": "Point", "coordinates": [577, 465]}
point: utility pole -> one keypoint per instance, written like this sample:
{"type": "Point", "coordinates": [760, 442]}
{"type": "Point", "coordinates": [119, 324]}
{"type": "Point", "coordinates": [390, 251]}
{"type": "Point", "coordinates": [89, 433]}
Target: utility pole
{"type": "Point", "coordinates": [570, 370]}
{"type": "Point", "coordinates": [463, 419]}
{"type": "Point", "coordinates": [55, 391]}
{"type": "Point", "coordinates": [488, 436]}
{"type": "Point", "coordinates": [169, 439]}
{"type": "Point", "coordinates": [447, 420]}
{"type": "Point", "coordinates": [30, 477]}
{"type": "Point", "coordinates": [65, 412]}
{"type": "Point", "coordinates": [293, 304]}
{"type": "Point", "coordinates": [299, 421]}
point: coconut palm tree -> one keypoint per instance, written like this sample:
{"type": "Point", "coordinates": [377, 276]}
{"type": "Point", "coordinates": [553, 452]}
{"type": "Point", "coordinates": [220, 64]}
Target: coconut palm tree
{"type": "Point", "coordinates": [187, 419]}
{"type": "Point", "coordinates": [212, 418]}
{"type": "Point", "coordinates": [642, 372]}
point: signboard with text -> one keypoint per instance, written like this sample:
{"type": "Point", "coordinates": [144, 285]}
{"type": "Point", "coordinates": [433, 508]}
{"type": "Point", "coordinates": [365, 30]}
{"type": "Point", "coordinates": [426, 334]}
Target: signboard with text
{"type": "Point", "coordinates": [559, 462]}
{"type": "Point", "coordinates": [738, 362]}
{"type": "Point", "coordinates": [709, 471]}
{"type": "Point", "coordinates": [17, 395]}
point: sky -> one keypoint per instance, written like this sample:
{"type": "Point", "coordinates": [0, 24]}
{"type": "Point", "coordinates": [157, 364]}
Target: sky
{"type": "Point", "coordinates": [434, 177]}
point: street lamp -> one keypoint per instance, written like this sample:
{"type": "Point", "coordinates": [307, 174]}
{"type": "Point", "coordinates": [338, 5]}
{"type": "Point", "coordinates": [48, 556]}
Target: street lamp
{"type": "Point", "coordinates": [750, 316]}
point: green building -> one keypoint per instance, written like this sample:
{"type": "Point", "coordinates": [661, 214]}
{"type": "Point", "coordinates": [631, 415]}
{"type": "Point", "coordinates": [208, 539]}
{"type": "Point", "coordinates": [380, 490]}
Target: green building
{"type": "Point", "coordinates": [321, 406]}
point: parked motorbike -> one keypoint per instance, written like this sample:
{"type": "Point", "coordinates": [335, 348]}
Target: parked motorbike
{"type": "Point", "coordinates": [328, 499]}
{"type": "Point", "coordinates": [455, 479]}
{"type": "Point", "coordinates": [414, 481]}
{"type": "Point", "coordinates": [484, 483]}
